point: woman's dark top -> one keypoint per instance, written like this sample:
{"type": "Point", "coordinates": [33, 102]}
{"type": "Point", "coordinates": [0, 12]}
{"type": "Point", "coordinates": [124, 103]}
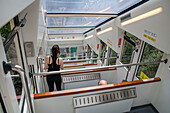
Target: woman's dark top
{"type": "Point", "coordinates": [53, 66]}
{"type": "Point", "coordinates": [55, 78]}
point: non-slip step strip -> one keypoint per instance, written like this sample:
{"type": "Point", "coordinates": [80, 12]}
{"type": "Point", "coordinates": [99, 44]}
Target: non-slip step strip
{"type": "Point", "coordinates": [81, 78]}
{"type": "Point", "coordinates": [89, 100]}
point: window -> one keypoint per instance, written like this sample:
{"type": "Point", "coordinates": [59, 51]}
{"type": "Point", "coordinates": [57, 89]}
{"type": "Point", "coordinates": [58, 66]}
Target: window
{"type": "Point", "coordinates": [73, 52]}
{"type": "Point", "coordinates": [150, 54]}
{"type": "Point", "coordinates": [128, 49]}
{"type": "Point", "coordinates": [112, 54]}
{"type": "Point", "coordinates": [64, 52]}
{"type": "Point", "coordinates": [88, 51]}
{"type": "Point", "coordinates": [103, 51]}
{"type": "Point", "coordinates": [14, 56]}
{"type": "Point", "coordinates": [95, 56]}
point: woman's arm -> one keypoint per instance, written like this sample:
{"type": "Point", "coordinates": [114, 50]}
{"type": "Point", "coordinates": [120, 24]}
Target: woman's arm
{"type": "Point", "coordinates": [46, 62]}
{"type": "Point", "coordinates": [61, 63]}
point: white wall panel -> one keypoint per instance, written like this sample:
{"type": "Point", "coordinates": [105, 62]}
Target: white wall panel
{"type": "Point", "coordinates": [30, 30]}
{"type": "Point", "coordinates": [158, 24]}
{"type": "Point", "coordinates": [58, 104]}
{"type": "Point", "coordinates": [109, 76]}
{"type": "Point", "coordinates": [92, 42]}
{"type": "Point", "coordinates": [161, 99]}
{"type": "Point", "coordinates": [111, 37]}
{"type": "Point", "coordinates": [10, 8]}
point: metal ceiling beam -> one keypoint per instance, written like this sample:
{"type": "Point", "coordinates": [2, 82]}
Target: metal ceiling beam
{"type": "Point", "coordinates": [71, 27]}
{"type": "Point", "coordinates": [80, 15]}
{"type": "Point", "coordinates": [66, 34]}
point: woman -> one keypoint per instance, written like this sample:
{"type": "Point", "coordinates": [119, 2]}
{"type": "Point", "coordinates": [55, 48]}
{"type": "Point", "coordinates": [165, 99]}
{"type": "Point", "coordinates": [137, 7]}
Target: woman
{"type": "Point", "coordinates": [53, 63]}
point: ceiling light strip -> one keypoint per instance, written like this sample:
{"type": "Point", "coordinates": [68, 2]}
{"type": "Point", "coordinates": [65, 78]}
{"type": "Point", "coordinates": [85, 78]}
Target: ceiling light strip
{"type": "Point", "coordinates": [71, 27]}
{"type": "Point", "coordinates": [89, 37]}
{"type": "Point", "coordinates": [103, 31]}
{"type": "Point", "coordinates": [142, 16]}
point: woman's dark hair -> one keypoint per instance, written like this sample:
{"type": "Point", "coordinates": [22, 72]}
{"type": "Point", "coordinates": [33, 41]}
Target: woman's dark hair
{"type": "Point", "coordinates": [55, 50]}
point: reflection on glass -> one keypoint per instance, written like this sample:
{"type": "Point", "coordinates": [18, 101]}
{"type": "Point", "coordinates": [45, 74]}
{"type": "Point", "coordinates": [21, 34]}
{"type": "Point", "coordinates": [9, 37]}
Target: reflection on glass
{"type": "Point", "coordinates": [150, 54]}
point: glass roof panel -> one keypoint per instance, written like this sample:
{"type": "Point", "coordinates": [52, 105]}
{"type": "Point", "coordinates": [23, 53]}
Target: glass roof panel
{"type": "Point", "coordinates": [74, 21]}
{"type": "Point", "coordinates": [88, 6]}
{"type": "Point", "coordinates": [67, 31]}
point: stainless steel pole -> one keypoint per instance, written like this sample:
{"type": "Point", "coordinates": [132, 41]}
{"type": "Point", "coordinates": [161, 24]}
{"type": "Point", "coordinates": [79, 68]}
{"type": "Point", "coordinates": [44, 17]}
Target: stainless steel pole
{"type": "Point", "coordinates": [103, 67]}
{"type": "Point", "coordinates": [90, 59]}
{"type": "Point", "coordinates": [25, 85]}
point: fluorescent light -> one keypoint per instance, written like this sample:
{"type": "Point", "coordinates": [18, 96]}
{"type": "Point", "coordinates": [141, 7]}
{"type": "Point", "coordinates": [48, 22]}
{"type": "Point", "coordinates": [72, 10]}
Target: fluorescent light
{"type": "Point", "coordinates": [89, 37]}
{"type": "Point", "coordinates": [105, 9]}
{"type": "Point", "coordinates": [43, 15]}
{"type": "Point", "coordinates": [97, 18]}
{"type": "Point", "coordinates": [143, 16]}
{"type": "Point", "coordinates": [103, 31]}
{"type": "Point", "coordinates": [87, 24]}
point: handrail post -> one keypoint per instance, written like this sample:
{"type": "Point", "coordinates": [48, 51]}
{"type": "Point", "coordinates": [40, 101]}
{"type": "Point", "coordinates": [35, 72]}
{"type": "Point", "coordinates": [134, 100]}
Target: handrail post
{"type": "Point", "coordinates": [131, 60]}
{"type": "Point", "coordinates": [25, 85]}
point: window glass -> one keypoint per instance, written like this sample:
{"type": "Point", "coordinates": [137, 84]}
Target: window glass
{"type": "Point", "coordinates": [112, 54]}
{"type": "Point", "coordinates": [64, 52]}
{"type": "Point", "coordinates": [2, 106]}
{"type": "Point", "coordinates": [103, 51]}
{"type": "Point", "coordinates": [88, 51]}
{"type": "Point", "coordinates": [13, 57]}
{"type": "Point", "coordinates": [150, 54]}
{"type": "Point", "coordinates": [95, 56]}
{"type": "Point", "coordinates": [73, 52]}
{"type": "Point", "coordinates": [128, 49]}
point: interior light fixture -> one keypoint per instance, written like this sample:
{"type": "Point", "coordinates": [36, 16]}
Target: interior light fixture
{"type": "Point", "coordinates": [43, 15]}
{"type": "Point", "coordinates": [120, 0]}
{"type": "Point", "coordinates": [89, 37]}
{"type": "Point", "coordinates": [103, 31]}
{"type": "Point", "coordinates": [98, 18]}
{"type": "Point", "coordinates": [142, 16]}
{"type": "Point", "coordinates": [105, 9]}
{"type": "Point", "coordinates": [87, 24]}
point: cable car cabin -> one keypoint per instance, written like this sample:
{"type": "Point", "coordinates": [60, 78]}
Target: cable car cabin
{"type": "Point", "coordinates": [123, 42]}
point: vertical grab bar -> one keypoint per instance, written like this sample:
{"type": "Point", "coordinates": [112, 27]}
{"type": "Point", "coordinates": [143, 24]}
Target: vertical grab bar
{"type": "Point", "coordinates": [131, 60]}
{"type": "Point", "coordinates": [21, 71]}
{"type": "Point", "coordinates": [24, 80]}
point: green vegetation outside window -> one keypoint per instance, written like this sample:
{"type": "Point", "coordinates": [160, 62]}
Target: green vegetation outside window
{"type": "Point", "coordinates": [128, 49]}
{"type": "Point", "coordinates": [103, 51]}
{"type": "Point", "coordinates": [112, 54]}
{"type": "Point", "coordinates": [150, 54]}
{"type": "Point", "coordinates": [95, 56]}
{"type": "Point", "coordinates": [12, 56]}
{"type": "Point", "coordinates": [88, 51]}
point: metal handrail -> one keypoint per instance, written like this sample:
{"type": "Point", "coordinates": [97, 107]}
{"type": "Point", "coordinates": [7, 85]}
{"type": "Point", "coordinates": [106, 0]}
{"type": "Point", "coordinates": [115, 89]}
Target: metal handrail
{"type": "Point", "coordinates": [76, 57]}
{"type": "Point", "coordinates": [103, 67]}
{"type": "Point", "coordinates": [21, 71]}
{"type": "Point", "coordinates": [89, 59]}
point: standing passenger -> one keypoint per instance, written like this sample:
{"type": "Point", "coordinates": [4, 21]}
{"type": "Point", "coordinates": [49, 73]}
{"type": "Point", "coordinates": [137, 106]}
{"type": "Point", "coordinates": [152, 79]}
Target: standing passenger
{"type": "Point", "coordinates": [53, 63]}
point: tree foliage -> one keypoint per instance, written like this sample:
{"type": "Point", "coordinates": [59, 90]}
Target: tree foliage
{"type": "Point", "coordinates": [5, 30]}
{"type": "Point", "coordinates": [150, 54]}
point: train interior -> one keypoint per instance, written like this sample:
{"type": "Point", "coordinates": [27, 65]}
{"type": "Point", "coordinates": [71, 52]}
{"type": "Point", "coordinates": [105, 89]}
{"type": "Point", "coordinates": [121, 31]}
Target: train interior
{"type": "Point", "coordinates": [123, 42]}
